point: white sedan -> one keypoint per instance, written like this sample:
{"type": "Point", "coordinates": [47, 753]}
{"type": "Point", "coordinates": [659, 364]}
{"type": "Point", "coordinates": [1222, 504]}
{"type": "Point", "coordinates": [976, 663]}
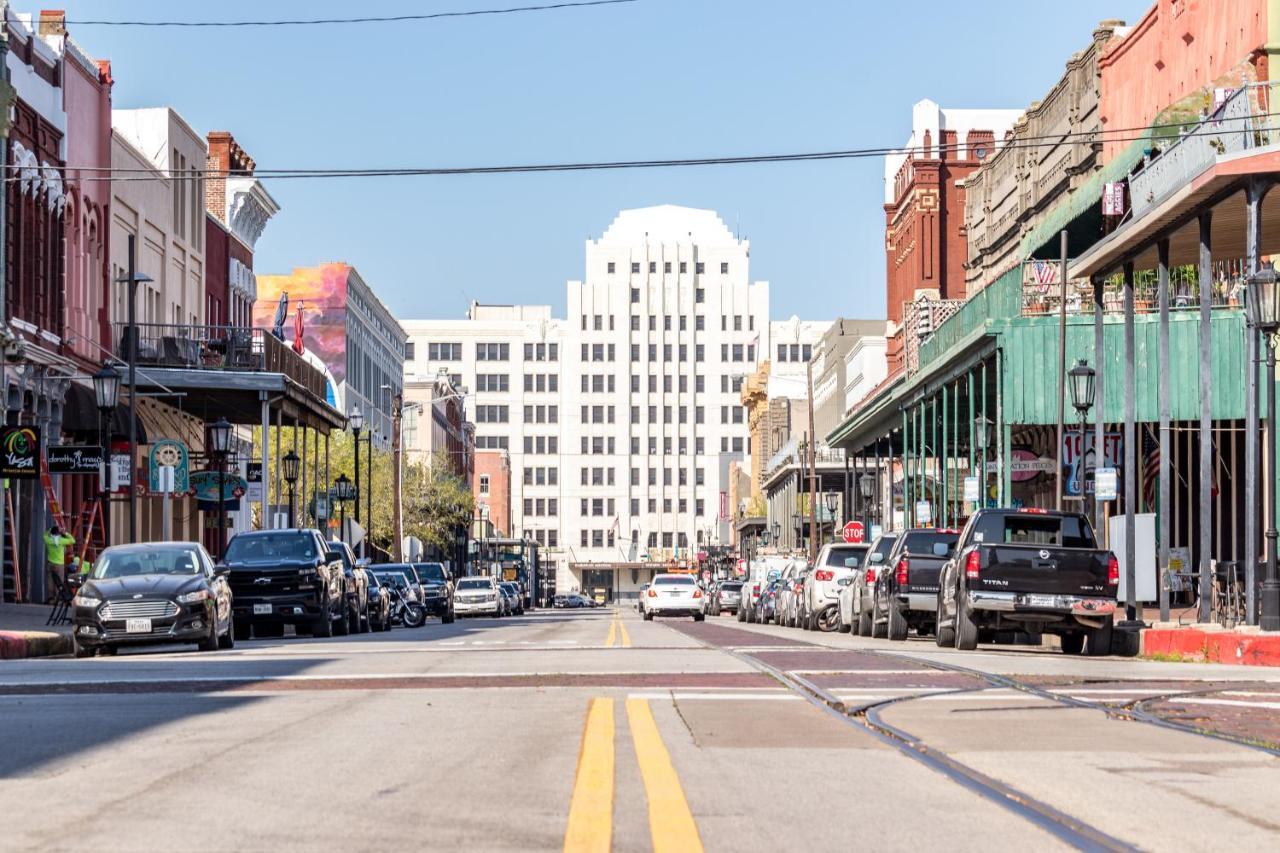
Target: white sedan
{"type": "Point", "coordinates": [675, 595]}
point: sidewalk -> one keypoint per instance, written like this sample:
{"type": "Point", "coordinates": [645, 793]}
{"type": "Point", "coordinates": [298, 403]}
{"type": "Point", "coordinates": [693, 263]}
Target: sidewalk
{"type": "Point", "coordinates": [1211, 644]}
{"type": "Point", "coordinates": [23, 633]}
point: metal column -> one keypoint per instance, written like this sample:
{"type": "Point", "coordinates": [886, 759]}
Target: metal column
{"type": "Point", "coordinates": [1206, 414]}
{"type": "Point", "coordinates": [1099, 408]}
{"type": "Point", "coordinates": [1002, 494]}
{"type": "Point", "coordinates": [264, 454]}
{"type": "Point", "coordinates": [1254, 193]}
{"type": "Point", "coordinates": [1166, 450]}
{"type": "Point", "coordinates": [946, 460]}
{"type": "Point", "coordinates": [1130, 452]}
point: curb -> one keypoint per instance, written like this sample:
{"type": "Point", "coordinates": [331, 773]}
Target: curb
{"type": "Point", "coordinates": [15, 645]}
{"type": "Point", "coordinates": [1213, 646]}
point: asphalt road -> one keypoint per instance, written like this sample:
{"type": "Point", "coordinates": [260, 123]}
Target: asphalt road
{"type": "Point", "coordinates": [591, 730]}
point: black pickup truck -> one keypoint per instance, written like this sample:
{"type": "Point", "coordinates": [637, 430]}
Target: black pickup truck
{"type": "Point", "coordinates": [1033, 571]}
{"type": "Point", "coordinates": [286, 577]}
{"type": "Point", "coordinates": [906, 592]}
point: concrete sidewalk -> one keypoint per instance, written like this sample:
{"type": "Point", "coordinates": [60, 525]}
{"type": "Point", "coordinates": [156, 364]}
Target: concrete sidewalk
{"type": "Point", "coordinates": [1211, 644]}
{"type": "Point", "coordinates": [23, 633]}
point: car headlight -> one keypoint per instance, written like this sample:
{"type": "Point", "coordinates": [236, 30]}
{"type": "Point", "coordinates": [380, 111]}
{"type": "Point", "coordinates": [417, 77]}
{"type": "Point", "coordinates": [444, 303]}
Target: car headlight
{"type": "Point", "coordinates": [193, 597]}
{"type": "Point", "coordinates": [86, 601]}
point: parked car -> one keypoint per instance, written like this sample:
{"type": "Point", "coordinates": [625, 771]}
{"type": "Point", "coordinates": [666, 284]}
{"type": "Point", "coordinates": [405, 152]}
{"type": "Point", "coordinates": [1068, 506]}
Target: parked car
{"type": "Point", "coordinates": [514, 600]}
{"type": "Point", "coordinates": [357, 586]}
{"type": "Point", "coordinates": [286, 577]}
{"type": "Point", "coordinates": [789, 594]}
{"type": "Point", "coordinates": [379, 604]}
{"type": "Point", "coordinates": [477, 596]}
{"type": "Point", "coordinates": [1032, 570]}
{"type": "Point", "coordinates": [640, 598]}
{"type": "Point", "coordinates": [906, 592]}
{"type": "Point", "coordinates": [729, 596]}
{"type": "Point", "coordinates": [760, 572]}
{"type": "Point", "coordinates": [857, 593]}
{"type": "Point", "coordinates": [675, 595]}
{"type": "Point", "coordinates": [437, 590]}
{"type": "Point", "coordinates": [392, 577]}
{"type": "Point", "coordinates": [766, 609]}
{"type": "Point", "coordinates": [821, 596]}
{"type": "Point", "coordinates": [159, 592]}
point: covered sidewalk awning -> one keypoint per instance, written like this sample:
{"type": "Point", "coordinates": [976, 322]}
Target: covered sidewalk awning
{"type": "Point", "coordinates": [239, 396]}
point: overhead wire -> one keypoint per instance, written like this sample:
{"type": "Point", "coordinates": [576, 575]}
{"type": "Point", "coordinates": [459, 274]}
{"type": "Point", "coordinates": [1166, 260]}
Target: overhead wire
{"type": "Point", "coordinates": [366, 19]}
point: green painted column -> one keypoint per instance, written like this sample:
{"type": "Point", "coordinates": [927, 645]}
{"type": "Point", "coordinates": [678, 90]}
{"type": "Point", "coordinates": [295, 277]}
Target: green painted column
{"type": "Point", "coordinates": [972, 415]}
{"type": "Point", "coordinates": [946, 461]}
{"type": "Point", "coordinates": [906, 474]}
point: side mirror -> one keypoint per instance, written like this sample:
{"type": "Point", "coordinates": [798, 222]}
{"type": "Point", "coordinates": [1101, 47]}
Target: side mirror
{"type": "Point", "coordinates": [221, 570]}
{"type": "Point", "coordinates": [845, 581]}
{"type": "Point", "coordinates": [332, 556]}
{"type": "Point", "coordinates": [877, 557]}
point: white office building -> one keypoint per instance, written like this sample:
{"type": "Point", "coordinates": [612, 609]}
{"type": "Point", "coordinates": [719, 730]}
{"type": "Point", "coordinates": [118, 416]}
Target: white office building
{"type": "Point", "coordinates": [622, 419]}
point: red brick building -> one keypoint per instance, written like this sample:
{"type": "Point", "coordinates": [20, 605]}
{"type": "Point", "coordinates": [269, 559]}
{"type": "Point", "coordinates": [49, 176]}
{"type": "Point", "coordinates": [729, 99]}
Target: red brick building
{"type": "Point", "coordinates": [924, 208]}
{"type": "Point", "coordinates": [238, 208]}
{"type": "Point", "coordinates": [491, 487]}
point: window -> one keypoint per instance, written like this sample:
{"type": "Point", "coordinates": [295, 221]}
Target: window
{"type": "Point", "coordinates": [653, 476]}
{"type": "Point", "coordinates": [683, 352]}
{"type": "Point", "coordinates": [751, 352]}
{"type": "Point", "coordinates": [684, 384]}
{"type": "Point", "coordinates": [737, 352]}
{"type": "Point", "coordinates": [610, 267]}
{"type": "Point", "coordinates": [635, 382]}
{"type": "Point", "coordinates": [653, 506]}
{"type": "Point", "coordinates": [699, 267]}
{"type": "Point", "coordinates": [699, 414]}
{"type": "Point", "coordinates": [699, 476]}
{"type": "Point", "coordinates": [684, 266]}
{"type": "Point", "coordinates": [635, 322]}
{"type": "Point", "coordinates": [635, 352]}
{"type": "Point", "coordinates": [635, 294]}
{"type": "Point", "coordinates": [653, 266]}
{"type": "Point", "coordinates": [528, 506]}
{"type": "Point", "coordinates": [484, 484]}
{"type": "Point", "coordinates": [699, 384]}
{"type": "Point", "coordinates": [408, 351]}
{"type": "Point", "coordinates": [584, 539]}
{"type": "Point", "coordinates": [795, 352]}
{"type": "Point", "coordinates": [699, 351]}
{"type": "Point", "coordinates": [724, 352]}
{"type": "Point", "coordinates": [635, 510]}
{"type": "Point", "coordinates": [553, 352]}
{"type": "Point", "coordinates": [666, 352]}
{"type": "Point", "coordinates": [807, 352]}
{"type": "Point", "coordinates": [737, 322]}
{"type": "Point", "coordinates": [597, 352]}
{"type": "Point", "coordinates": [724, 267]}
{"type": "Point", "coordinates": [635, 445]}
{"type": "Point", "coordinates": [699, 323]}
{"type": "Point", "coordinates": [635, 267]}
{"type": "Point", "coordinates": [699, 295]}
{"type": "Point", "coordinates": [666, 384]}
{"type": "Point", "coordinates": [493, 352]}
{"type": "Point", "coordinates": [653, 383]}
{"type": "Point", "coordinates": [653, 352]}
{"type": "Point", "coordinates": [597, 322]}
{"type": "Point", "coordinates": [635, 476]}
{"type": "Point", "coordinates": [699, 447]}
{"type": "Point", "coordinates": [584, 322]}
{"type": "Point", "coordinates": [666, 267]}
{"type": "Point", "coordinates": [492, 382]}
{"type": "Point", "coordinates": [528, 382]}
{"type": "Point", "coordinates": [737, 445]}
{"type": "Point", "coordinates": [444, 352]}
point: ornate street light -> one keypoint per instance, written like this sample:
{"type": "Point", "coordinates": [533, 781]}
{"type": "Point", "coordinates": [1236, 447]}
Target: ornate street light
{"type": "Point", "coordinates": [343, 491]}
{"type": "Point", "coordinates": [219, 446]}
{"type": "Point", "coordinates": [106, 388]}
{"type": "Point", "coordinates": [356, 421]}
{"type": "Point", "coordinates": [289, 466]}
{"type": "Point", "coordinates": [106, 392]}
{"type": "Point", "coordinates": [1263, 305]}
{"type": "Point", "coordinates": [1081, 380]}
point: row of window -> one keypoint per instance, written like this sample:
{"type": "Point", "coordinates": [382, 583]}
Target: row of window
{"type": "Point", "coordinates": [493, 352]}
{"type": "Point", "coordinates": [596, 352]}
{"type": "Point", "coordinates": [541, 476]}
{"type": "Point", "coordinates": [542, 414]}
{"type": "Point", "coordinates": [541, 507]}
{"type": "Point", "coordinates": [541, 444]}
{"type": "Point", "coordinates": [498, 382]}
{"type": "Point", "coordinates": [440, 352]}
{"type": "Point", "coordinates": [541, 382]}
{"type": "Point", "coordinates": [489, 414]}
{"type": "Point", "coordinates": [699, 295]}
{"type": "Point", "coordinates": [597, 446]}
{"type": "Point", "coordinates": [491, 442]}
{"type": "Point", "coordinates": [795, 352]}
{"type": "Point", "coordinates": [699, 446]}
{"type": "Point", "coordinates": [598, 538]}
{"type": "Point", "coordinates": [597, 383]}
{"type": "Point", "coordinates": [699, 267]}
{"type": "Point", "coordinates": [681, 477]}
{"type": "Point", "coordinates": [452, 351]}
{"type": "Point", "coordinates": [597, 477]}
{"type": "Point", "coordinates": [682, 505]}
{"type": "Point", "coordinates": [547, 538]}
{"type": "Point", "coordinates": [596, 507]}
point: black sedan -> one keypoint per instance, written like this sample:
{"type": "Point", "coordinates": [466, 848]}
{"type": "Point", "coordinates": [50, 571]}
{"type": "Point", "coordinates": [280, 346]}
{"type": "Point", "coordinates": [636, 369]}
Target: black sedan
{"type": "Point", "coordinates": [159, 592]}
{"type": "Point", "coordinates": [379, 604]}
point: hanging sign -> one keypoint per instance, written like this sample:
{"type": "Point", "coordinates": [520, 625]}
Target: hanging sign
{"type": "Point", "coordinates": [205, 484]}
{"type": "Point", "coordinates": [1106, 484]}
{"type": "Point", "coordinates": [1113, 198]}
{"type": "Point", "coordinates": [19, 452]}
{"type": "Point", "coordinates": [972, 489]}
{"type": "Point", "coordinates": [168, 452]}
{"type": "Point", "coordinates": [1080, 458]}
{"type": "Point", "coordinates": [74, 459]}
{"type": "Point", "coordinates": [253, 476]}
{"type": "Point", "coordinates": [924, 513]}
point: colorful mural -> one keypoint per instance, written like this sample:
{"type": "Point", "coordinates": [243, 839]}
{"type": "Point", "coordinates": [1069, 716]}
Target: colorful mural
{"type": "Point", "coordinates": [321, 294]}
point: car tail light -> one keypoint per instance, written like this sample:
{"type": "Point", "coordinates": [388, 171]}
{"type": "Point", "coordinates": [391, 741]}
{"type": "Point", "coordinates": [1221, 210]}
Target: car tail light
{"type": "Point", "coordinates": [1113, 571]}
{"type": "Point", "coordinates": [697, 593]}
{"type": "Point", "coordinates": [755, 590]}
{"type": "Point", "coordinates": [653, 593]}
{"type": "Point", "coordinates": [901, 574]}
{"type": "Point", "coordinates": [871, 577]}
{"type": "Point", "coordinates": [973, 566]}
{"type": "Point", "coordinates": [1034, 510]}
{"type": "Point", "coordinates": [823, 575]}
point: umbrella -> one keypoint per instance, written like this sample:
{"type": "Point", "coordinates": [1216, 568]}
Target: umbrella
{"type": "Point", "coordinates": [282, 311]}
{"type": "Point", "coordinates": [298, 346]}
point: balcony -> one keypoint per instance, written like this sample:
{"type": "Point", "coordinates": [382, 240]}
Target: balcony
{"type": "Point", "coordinates": [1042, 291]}
{"type": "Point", "coordinates": [224, 349]}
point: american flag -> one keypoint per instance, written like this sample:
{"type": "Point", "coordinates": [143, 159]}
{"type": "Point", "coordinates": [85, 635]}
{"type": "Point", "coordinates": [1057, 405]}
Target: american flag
{"type": "Point", "coordinates": [1045, 272]}
{"type": "Point", "coordinates": [1150, 468]}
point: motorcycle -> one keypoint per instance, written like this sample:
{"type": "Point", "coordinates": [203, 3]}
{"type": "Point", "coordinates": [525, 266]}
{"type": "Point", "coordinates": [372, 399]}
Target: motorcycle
{"type": "Point", "coordinates": [410, 614]}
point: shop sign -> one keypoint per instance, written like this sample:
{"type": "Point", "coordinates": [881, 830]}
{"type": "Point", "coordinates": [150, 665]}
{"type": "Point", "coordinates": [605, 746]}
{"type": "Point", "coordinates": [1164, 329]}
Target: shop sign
{"type": "Point", "coordinates": [924, 513]}
{"type": "Point", "coordinates": [253, 476]}
{"type": "Point", "coordinates": [205, 485]}
{"type": "Point", "coordinates": [172, 453]}
{"type": "Point", "coordinates": [74, 459]}
{"type": "Point", "coordinates": [1079, 459]}
{"type": "Point", "coordinates": [19, 452]}
{"type": "Point", "coordinates": [1026, 465]}
{"type": "Point", "coordinates": [1106, 481]}
{"type": "Point", "coordinates": [972, 489]}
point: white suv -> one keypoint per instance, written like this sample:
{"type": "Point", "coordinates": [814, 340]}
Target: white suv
{"type": "Point", "coordinates": [675, 595]}
{"type": "Point", "coordinates": [477, 596]}
{"type": "Point", "coordinates": [836, 561]}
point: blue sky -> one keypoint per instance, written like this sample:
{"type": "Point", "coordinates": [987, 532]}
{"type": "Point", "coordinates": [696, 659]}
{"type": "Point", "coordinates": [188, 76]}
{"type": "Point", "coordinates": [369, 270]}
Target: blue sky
{"type": "Point", "coordinates": [651, 79]}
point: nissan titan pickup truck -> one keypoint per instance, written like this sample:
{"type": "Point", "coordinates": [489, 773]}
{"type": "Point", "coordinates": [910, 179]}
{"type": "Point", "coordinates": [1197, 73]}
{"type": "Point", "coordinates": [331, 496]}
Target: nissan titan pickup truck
{"type": "Point", "coordinates": [1030, 570]}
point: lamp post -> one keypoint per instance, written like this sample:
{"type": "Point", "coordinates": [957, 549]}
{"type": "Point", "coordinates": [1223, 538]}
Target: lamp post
{"type": "Point", "coordinates": [289, 467]}
{"type": "Point", "coordinates": [1080, 378]}
{"type": "Point", "coordinates": [982, 437]}
{"type": "Point", "coordinates": [831, 500]}
{"type": "Point", "coordinates": [356, 421]}
{"type": "Point", "coordinates": [133, 278]}
{"type": "Point", "coordinates": [342, 493]}
{"type": "Point", "coordinates": [867, 487]}
{"type": "Point", "coordinates": [106, 392]}
{"type": "Point", "coordinates": [219, 445]}
{"type": "Point", "coordinates": [1263, 305]}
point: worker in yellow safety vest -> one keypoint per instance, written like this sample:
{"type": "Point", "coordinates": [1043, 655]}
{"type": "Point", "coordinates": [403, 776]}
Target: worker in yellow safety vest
{"type": "Point", "coordinates": [55, 555]}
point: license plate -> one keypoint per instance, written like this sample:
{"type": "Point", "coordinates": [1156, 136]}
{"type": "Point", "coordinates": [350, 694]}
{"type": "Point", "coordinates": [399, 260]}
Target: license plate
{"type": "Point", "coordinates": [137, 626]}
{"type": "Point", "coordinates": [1042, 600]}
{"type": "Point", "coordinates": [262, 610]}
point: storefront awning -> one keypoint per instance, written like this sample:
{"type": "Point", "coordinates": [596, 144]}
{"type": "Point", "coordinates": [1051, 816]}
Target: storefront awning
{"type": "Point", "coordinates": [80, 416]}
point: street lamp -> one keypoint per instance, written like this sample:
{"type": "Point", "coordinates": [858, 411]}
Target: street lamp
{"type": "Point", "coordinates": [1263, 304]}
{"type": "Point", "coordinates": [867, 488]}
{"type": "Point", "coordinates": [831, 500]}
{"type": "Point", "coordinates": [356, 421]}
{"type": "Point", "coordinates": [1080, 378]}
{"type": "Point", "coordinates": [133, 278]}
{"type": "Point", "coordinates": [343, 491]}
{"type": "Point", "coordinates": [289, 467]}
{"type": "Point", "coordinates": [982, 429]}
{"type": "Point", "coordinates": [777, 532]}
{"type": "Point", "coordinates": [106, 392]}
{"type": "Point", "coordinates": [219, 445]}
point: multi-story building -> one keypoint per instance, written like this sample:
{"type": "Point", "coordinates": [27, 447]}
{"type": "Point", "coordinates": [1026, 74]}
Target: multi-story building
{"type": "Point", "coordinates": [348, 332]}
{"type": "Point", "coordinates": [238, 208]}
{"type": "Point", "coordinates": [492, 490]}
{"type": "Point", "coordinates": [830, 363]}
{"type": "Point", "coordinates": [622, 420]}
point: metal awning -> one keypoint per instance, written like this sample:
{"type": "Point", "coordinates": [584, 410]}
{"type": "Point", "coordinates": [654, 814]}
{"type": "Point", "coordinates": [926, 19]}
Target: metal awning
{"type": "Point", "coordinates": [238, 395]}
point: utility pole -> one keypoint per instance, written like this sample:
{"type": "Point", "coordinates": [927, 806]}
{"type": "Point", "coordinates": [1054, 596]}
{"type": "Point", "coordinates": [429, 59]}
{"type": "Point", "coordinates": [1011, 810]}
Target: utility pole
{"type": "Point", "coordinates": [397, 499]}
{"type": "Point", "coordinates": [1062, 377]}
{"type": "Point", "coordinates": [813, 478]}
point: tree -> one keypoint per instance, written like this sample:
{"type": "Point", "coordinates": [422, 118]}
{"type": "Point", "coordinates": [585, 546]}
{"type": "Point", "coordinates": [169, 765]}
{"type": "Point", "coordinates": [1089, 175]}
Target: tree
{"type": "Point", "coordinates": [436, 502]}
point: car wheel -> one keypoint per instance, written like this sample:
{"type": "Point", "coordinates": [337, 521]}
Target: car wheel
{"type": "Point", "coordinates": [648, 617]}
{"type": "Point", "coordinates": [362, 620]}
{"type": "Point", "coordinates": [241, 632]}
{"type": "Point", "coordinates": [81, 651]}
{"type": "Point", "coordinates": [107, 650]}
{"type": "Point", "coordinates": [1100, 639]}
{"type": "Point", "coordinates": [944, 637]}
{"type": "Point", "coordinates": [342, 626]}
{"type": "Point", "coordinates": [742, 615]}
{"type": "Point", "coordinates": [897, 623]}
{"type": "Point", "coordinates": [447, 618]}
{"type": "Point", "coordinates": [966, 630]}
{"type": "Point", "coordinates": [323, 626]}
{"type": "Point", "coordinates": [864, 623]}
{"type": "Point", "coordinates": [228, 640]}
{"type": "Point", "coordinates": [1073, 643]}
{"type": "Point", "coordinates": [698, 617]}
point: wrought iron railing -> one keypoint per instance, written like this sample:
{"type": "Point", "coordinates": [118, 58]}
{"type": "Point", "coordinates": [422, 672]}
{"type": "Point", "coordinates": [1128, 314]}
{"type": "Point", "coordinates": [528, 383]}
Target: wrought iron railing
{"type": "Point", "coordinates": [235, 348]}
{"type": "Point", "coordinates": [1042, 292]}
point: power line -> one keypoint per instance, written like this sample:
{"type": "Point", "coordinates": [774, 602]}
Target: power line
{"type": "Point", "coordinates": [360, 20]}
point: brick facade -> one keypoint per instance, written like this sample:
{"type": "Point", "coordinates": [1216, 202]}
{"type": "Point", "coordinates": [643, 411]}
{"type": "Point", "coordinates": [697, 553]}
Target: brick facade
{"type": "Point", "coordinates": [491, 487]}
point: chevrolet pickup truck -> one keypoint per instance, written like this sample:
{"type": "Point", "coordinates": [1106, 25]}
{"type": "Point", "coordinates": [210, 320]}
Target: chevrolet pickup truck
{"type": "Point", "coordinates": [1030, 570]}
{"type": "Point", "coordinates": [906, 591]}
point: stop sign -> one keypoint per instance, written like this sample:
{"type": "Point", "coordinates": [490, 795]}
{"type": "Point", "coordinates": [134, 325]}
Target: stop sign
{"type": "Point", "coordinates": [853, 532]}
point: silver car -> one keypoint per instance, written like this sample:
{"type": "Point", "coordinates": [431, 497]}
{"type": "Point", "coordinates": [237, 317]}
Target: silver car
{"type": "Point", "coordinates": [857, 595]}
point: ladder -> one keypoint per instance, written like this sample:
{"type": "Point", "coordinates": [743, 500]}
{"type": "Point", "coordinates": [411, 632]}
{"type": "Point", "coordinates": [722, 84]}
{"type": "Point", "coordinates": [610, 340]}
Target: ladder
{"type": "Point", "coordinates": [12, 577]}
{"type": "Point", "coordinates": [51, 495]}
{"type": "Point", "coordinates": [89, 532]}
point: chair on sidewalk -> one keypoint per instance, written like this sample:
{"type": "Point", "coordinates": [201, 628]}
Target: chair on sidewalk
{"type": "Point", "coordinates": [64, 592]}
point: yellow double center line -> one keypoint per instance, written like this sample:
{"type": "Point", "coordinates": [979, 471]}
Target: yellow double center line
{"type": "Point", "coordinates": [590, 828]}
{"type": "Point", "coordinates": [618, 631]}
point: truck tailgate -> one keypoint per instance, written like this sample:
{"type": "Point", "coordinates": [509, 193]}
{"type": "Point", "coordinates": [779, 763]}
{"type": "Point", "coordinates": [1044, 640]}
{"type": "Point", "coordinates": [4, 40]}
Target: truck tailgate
{"type": "Point", "coordinates": [922, 574]}
{"type": "Point", "coordinates": [1048, 570]}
